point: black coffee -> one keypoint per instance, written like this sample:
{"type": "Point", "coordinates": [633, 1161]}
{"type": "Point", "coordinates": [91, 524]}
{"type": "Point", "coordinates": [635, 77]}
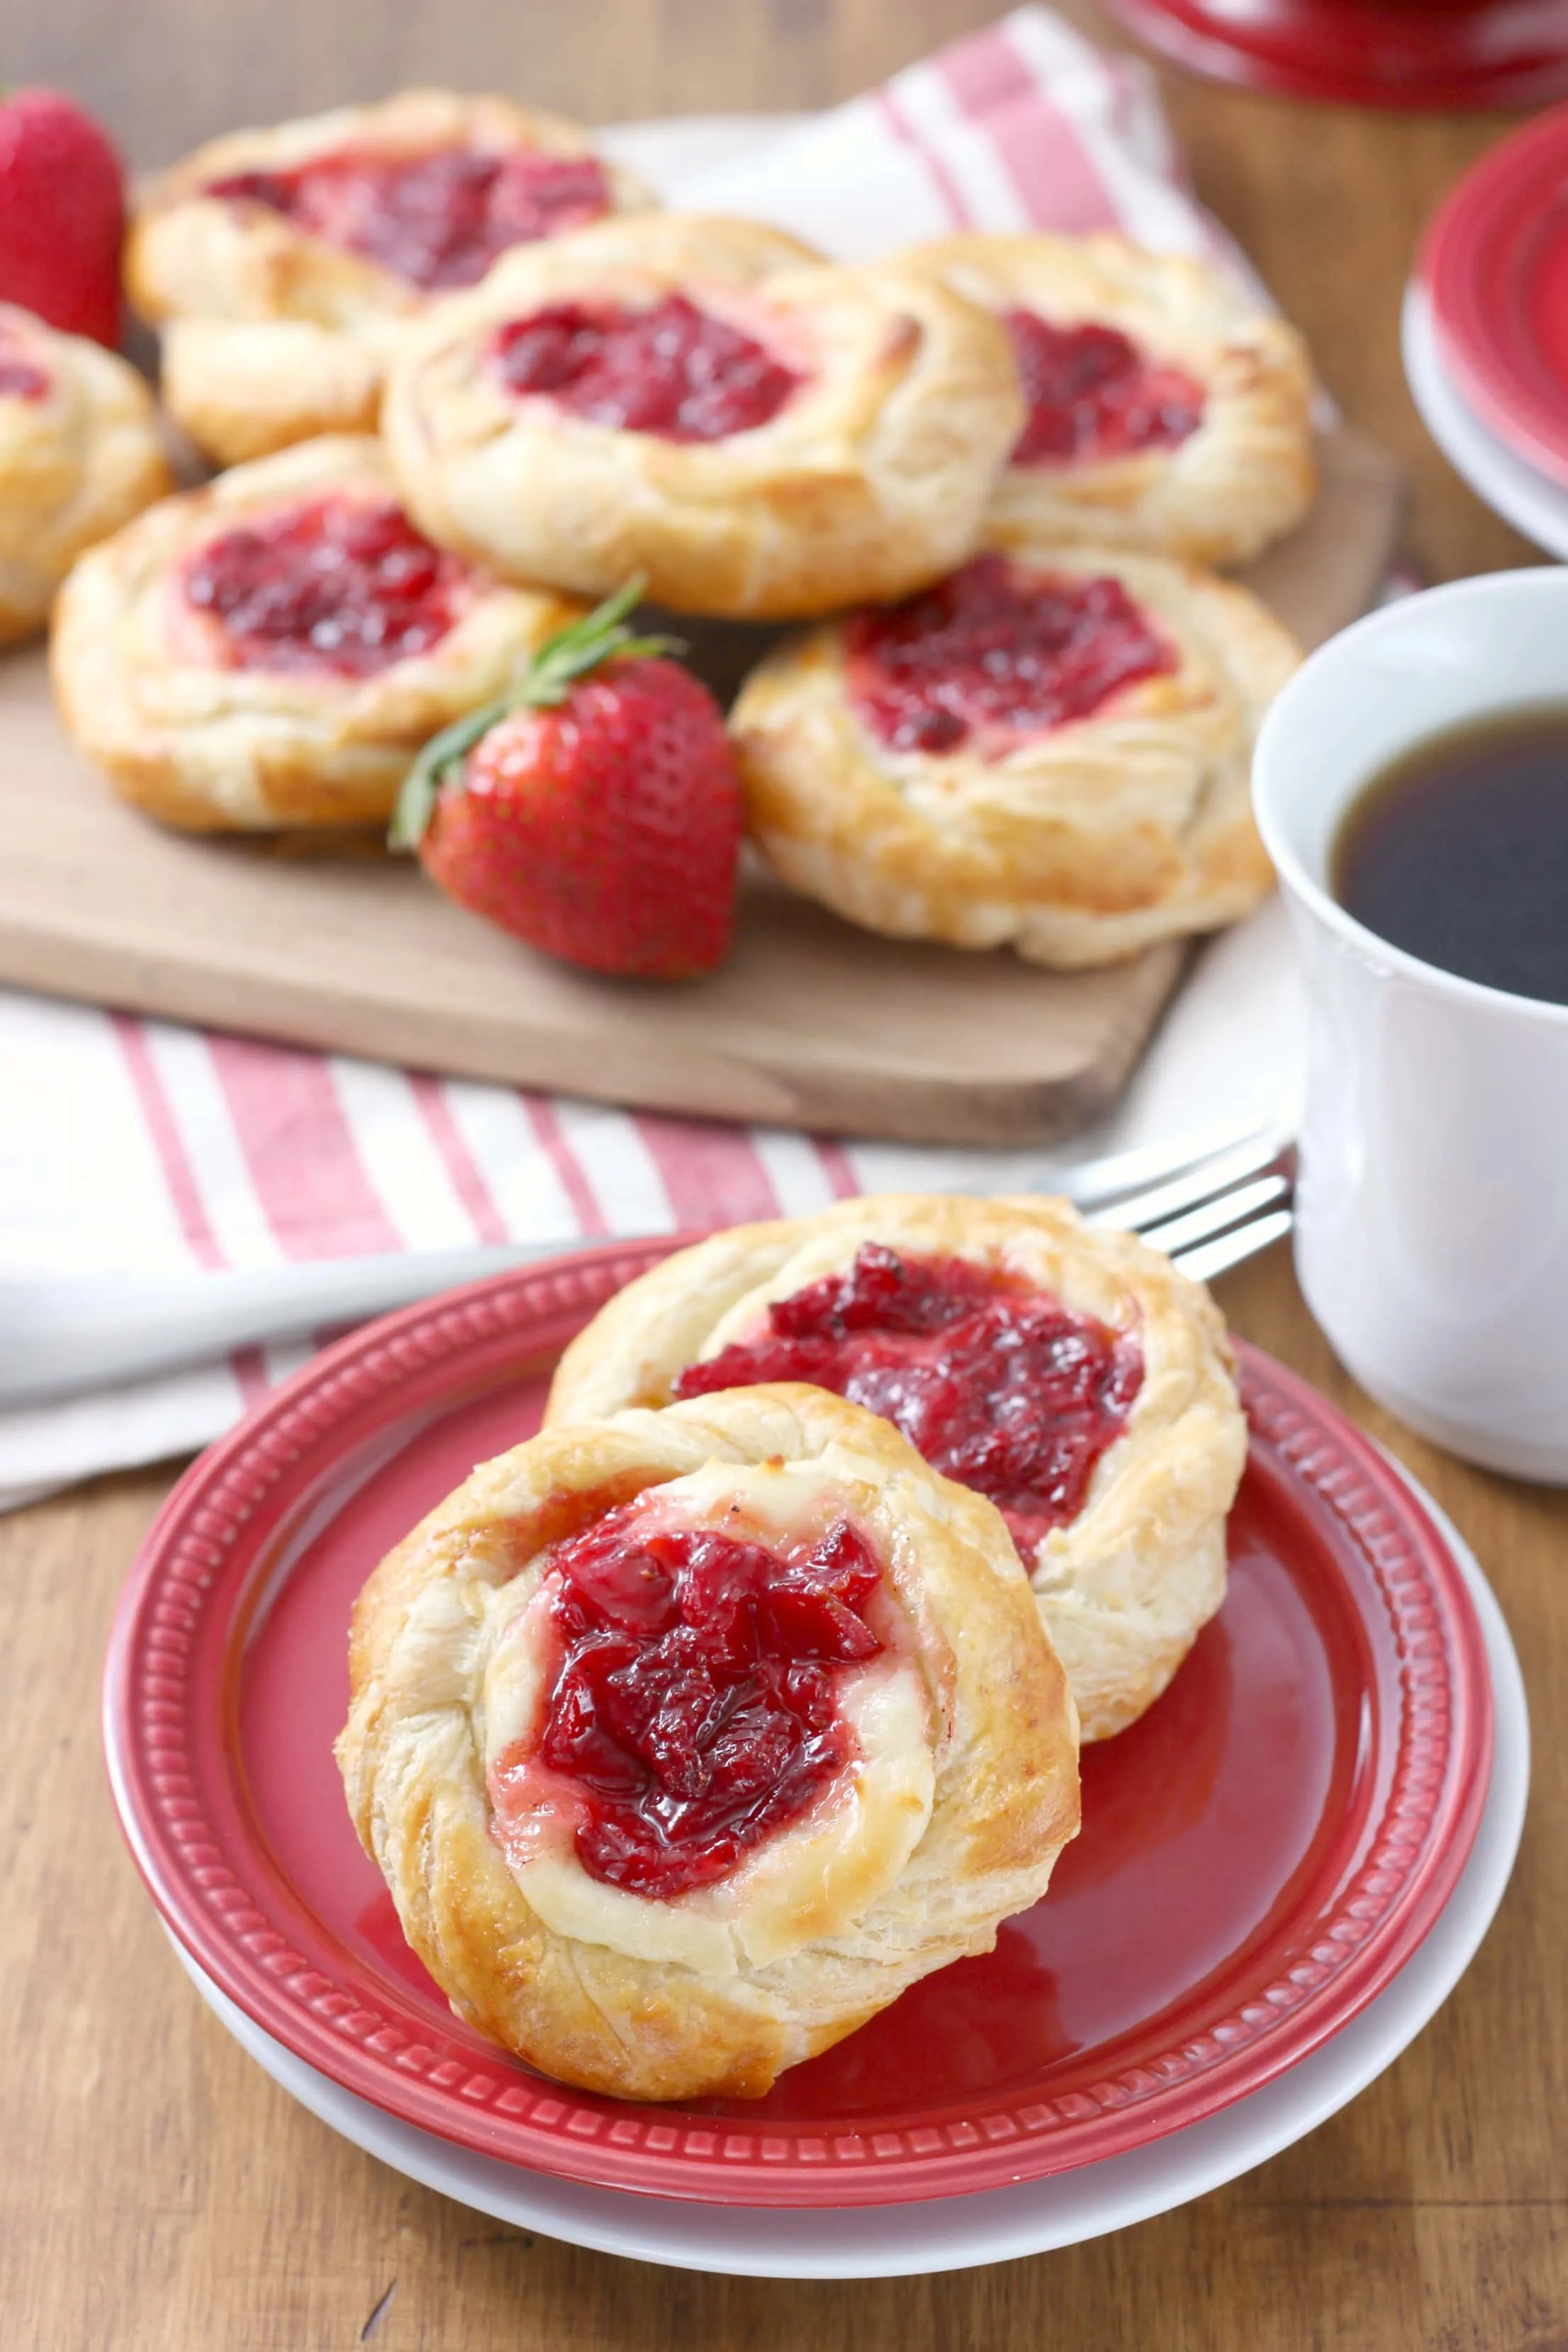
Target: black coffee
{"type": "Point", "coordinates": [1457, 852]}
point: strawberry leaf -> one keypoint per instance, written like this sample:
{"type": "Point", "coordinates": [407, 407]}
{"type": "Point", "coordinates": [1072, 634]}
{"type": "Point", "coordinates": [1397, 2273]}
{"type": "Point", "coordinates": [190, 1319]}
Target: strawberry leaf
{"type": "Point", "coordinates": [427, 778]}
{"type": "Point", "coordinates": [573, 653]}
{"type": "Point", "coordinates": [582, 646]}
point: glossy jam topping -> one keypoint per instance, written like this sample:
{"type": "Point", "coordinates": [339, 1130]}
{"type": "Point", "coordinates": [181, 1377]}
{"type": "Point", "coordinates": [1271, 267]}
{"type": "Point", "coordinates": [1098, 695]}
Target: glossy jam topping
{"type": "Point", "coordinates": [345, 585]}
{"type": "Point", "coordinates": [1092, 393]}
{"type": "Point", "coordinates": [998, 1387]}
{"type": "Point", "coordinates": [994, 653]}
{"type": "Point", "coordinates": [669, 369]}
{"type": "Point", "coordinates": [439, 219]}
{"type": "Point", "coordinates": [21, 377]}
{"type": "Point", "coordinates": [694, 1706]}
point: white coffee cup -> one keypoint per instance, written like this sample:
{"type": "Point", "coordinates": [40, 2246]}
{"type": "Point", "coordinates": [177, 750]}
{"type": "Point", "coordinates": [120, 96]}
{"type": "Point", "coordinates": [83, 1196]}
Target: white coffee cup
{"type": "Point", "coordinates": [1432, 1213]}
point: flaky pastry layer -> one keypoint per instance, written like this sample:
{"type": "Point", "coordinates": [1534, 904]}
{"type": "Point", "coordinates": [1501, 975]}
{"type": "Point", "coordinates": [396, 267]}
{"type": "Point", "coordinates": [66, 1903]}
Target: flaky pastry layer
{"type": "Point", "coordinates": [1088, 841]}
{"type": "Point", "coordinates": [76, 462]}
{"type": "Point", "coordinates": [868, 481]}
{"type": "Point", "coordinates": [274, 335]}
{"type": "Point", "coordinates": [1241, 479]}
{"type": "Point", "coordinates": [144, 691]}
{"type": "Point", "coordinates": [1125, 1588]}
{"type": "Point", "coordinates": [715, 1992]}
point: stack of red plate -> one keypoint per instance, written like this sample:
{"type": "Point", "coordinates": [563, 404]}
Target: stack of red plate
{"type": "Point", "coordinates": [1284, 1866]}
{"type": "Point", "coordinates": [1486, 329]}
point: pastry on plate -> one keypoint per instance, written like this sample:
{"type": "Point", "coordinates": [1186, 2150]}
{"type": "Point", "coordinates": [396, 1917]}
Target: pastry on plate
{"type": "Point", "coordinates": [688, 1740]}
{"type": "Point", "coordinates": [273, 650]}
{"type": "Point", "coordinates": [1073, 1376]}
{"type": "Point", "coordinates": [1165, 410]}
{"type": "Point", "coordinates": [283, 262]}
{"type": "Point", "coordinates": [706, 402]}
{"type": "Point", "coordinates": [1049, 750]}
{"type": "Point", "coordinates": [79, 455]}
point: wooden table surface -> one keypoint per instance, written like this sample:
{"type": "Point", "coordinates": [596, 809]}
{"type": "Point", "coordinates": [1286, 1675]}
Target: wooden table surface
{"type": "Point", "coordinates": [159, 2194]}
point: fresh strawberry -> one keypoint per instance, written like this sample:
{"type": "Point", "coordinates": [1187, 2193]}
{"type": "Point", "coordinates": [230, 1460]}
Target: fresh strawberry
{"type": "Point", "coordinates": [62, 213]}
{"type": "Point", "coordinates": [595, 812]}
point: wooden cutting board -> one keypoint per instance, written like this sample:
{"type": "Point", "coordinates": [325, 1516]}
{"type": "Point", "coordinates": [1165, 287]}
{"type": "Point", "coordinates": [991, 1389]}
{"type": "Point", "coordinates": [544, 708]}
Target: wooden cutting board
{"type": "Point", "coordinates": [812, 1023]}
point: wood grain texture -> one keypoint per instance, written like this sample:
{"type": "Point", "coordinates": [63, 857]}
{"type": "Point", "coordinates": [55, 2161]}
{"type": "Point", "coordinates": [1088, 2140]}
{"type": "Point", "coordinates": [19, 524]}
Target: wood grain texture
{"type": "Point", "coordinates": [811, 1023]}
{"type": "Point", "coordinates": [157, 2193]}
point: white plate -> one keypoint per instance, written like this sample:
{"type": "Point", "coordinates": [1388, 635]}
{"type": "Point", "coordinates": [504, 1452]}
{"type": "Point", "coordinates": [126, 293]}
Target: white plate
{"type": "Point", "coordinates": [1510, 484]}
{"type": "Point", "coordinates": [957, 2233]}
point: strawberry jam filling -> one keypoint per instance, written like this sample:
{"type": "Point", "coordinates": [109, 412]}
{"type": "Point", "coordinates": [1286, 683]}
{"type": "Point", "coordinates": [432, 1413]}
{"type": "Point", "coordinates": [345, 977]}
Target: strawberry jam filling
{"type": "Point", "coordinates": [345, 585]}
{"type": "Point", "coordinates": [693, 1710]}
{"type": "Point", "coordinates": [993, 654]}
{"type": "Point", "coordinates": [438, 220]}
{"type": "Point", "coordinates": [998, 1386]}
{"type": "Point", "coordinates": [669, 369]}
{"type": "Point", "coordinates": [1092, 393]}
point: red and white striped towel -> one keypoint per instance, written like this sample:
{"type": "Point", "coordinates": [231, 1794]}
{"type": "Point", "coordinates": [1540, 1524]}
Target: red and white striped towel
{"type": "Point", "coordinates": [134, 1143]}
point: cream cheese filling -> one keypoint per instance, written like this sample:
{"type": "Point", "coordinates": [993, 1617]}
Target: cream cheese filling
{"type": "Point", "coordinates": [805, 1882]}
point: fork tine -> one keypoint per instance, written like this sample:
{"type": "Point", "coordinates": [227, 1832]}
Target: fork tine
{"type": "Point", "coordinates": [1140, 1212]}
{"type": "Point", "coordinates": [1228, 1249]}
{"type": "Point", "coordinates": [1097, 1183]}
{"type": "Point", "coordinates": [1233, 1207]}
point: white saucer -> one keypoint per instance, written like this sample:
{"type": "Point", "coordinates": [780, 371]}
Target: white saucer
{"type": "Point", "coordinates": [1510, 484]}
{"type": "Point", "coordinates": [958, 2232]}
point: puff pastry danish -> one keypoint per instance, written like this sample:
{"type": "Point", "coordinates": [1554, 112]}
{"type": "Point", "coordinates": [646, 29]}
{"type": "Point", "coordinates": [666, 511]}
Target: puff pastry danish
{"type": "Point", "coordinates": [704, 402]}
{"type": "Point", "coordinates": [285, 261]}
{"type": "Point", "coordinates": [1166, 412]}
{"type": "Point", "coordinates": [688, 1740]}
{"type": "Point", "coordinates": [79, 455]}
{"type": "Point", "coordinates": [1073, 1376]}
{"type": "Point", "coordinates": [274, 649]}
{"type": "Point", "coordinates": [1049, 751]}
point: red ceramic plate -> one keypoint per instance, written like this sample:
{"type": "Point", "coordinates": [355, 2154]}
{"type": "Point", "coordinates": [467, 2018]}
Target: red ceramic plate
{"type": "Point", "coordinates": [1258, 1854]}
{"type": "Point", "coordinates": [1495, 266]}
{"type": "Point", "coordinates": [1392, 53]}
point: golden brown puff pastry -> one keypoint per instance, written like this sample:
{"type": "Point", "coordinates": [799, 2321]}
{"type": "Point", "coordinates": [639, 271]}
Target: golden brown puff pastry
{"type": "Point", "coordinates": [1167, 412]}
{"type": "Point", "coordinates": [274, 649]}
{"type": "Point", "coordinates": [1072, 1375]}
{"type": "Point", "coordinates": [837, 1750]}
{"type": "Point", "coordinates": [79, 455]}
{"type": "Point", "coordinates": [285, 261]}
{"type": "Point", "coordinates": [761, 434]}
{"type": "Point", "coordinates": [1049, 751]}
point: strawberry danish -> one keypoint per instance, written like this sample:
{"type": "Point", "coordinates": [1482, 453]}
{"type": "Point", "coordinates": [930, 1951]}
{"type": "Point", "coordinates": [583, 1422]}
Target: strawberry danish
{"type": "Point", "coordinates": [704, 403]}
{"type": "Point", "coordinates": [79, 455]}
{"type": "Point", "coordinates": [1049, 750]}
{"type": "Point", "coordinates": [1166, 412]}
{"type": "Point", "coordinates": [273, 651]}
{"type": "Point", "coordinates": [686, 1740]}
{"type": "Point", "coordinates": [1070, 1376]}
{"type": "Point", "coordinates": [285, 262]}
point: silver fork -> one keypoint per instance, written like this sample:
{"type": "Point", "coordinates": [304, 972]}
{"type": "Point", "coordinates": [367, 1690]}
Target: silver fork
{"type": "Point", "coordinates": [1208, 1201]}
{"type": "Point", "coordinates": [1212, 1216]}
